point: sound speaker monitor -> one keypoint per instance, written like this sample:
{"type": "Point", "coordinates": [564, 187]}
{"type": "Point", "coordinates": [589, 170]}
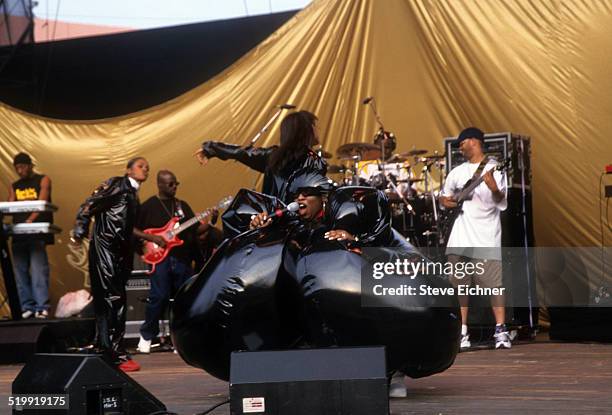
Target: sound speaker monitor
{"type": "Point", "coordinates": [310, 381]}
{"type": "Point", "coordinates": [92, 386]}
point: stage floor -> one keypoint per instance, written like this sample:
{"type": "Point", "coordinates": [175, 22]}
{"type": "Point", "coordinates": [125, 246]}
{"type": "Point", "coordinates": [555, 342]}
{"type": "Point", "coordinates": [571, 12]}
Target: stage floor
{"type": "Point", "coordinates": [541, 377]}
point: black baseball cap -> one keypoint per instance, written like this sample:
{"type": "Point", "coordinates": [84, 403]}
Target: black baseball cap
{"type": "Point", "coordinates": [470, 132]}
{"type": "Point", "coordinates": [22, 158]}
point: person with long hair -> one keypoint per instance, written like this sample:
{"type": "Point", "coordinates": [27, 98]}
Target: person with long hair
{"type": "Point", "coordinates": [298, 136]}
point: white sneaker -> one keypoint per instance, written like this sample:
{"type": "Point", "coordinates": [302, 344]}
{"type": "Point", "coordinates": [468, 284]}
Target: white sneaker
{"type": "Point", "coordinates": [397, 387]}
{"type": "Point", "coordinates": [465, 341]}
{"type": "Point", "coordinates": [42, 314]}
{"type": "Point", "coordinates": [502, 340]}
{"type": "Point", "coordinates": [144, 346]}
{"type": "Point", "coordinates": [27, 314]}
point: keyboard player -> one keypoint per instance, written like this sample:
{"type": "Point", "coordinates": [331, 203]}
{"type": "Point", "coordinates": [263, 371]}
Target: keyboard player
{"type": "Point", "coordinates": [29, 250]}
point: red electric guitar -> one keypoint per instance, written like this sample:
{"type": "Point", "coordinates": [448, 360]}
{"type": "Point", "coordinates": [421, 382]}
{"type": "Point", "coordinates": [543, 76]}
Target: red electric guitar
{"type": "Point", "coordinates": [154, 254]}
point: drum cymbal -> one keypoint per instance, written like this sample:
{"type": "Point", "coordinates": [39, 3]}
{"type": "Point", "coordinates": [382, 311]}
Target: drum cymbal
{"type": "Point", "coordinates": [333, 169]}
{"type": "Point", "coordinates": [351, 149]}
{"type": "Point", "coordinates": [414, 152]}
{"type": "Point", "coordinates": [409, 180]}
{"type": "Point", "coordinates": [350, 158]}
{"type": "Point", "coordinates": [397, 158]}
{"type": "Point", "coordinates": [434, 156]}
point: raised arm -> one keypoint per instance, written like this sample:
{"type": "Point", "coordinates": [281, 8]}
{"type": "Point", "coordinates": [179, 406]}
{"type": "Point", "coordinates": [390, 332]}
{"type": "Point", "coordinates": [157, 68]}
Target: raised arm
{"type": "Point", "coordinates": [255, 158]}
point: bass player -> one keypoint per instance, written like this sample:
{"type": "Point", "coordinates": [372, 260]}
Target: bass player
{"type": "Point", "coordinates": [476, 233]}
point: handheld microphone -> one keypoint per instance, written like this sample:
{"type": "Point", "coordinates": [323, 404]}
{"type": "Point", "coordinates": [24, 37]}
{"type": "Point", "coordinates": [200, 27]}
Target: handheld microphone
{"type": "Point", "coordinates": [367, 100]}
{"type": "Point", "coordinates": [286, 106]}
{"type": "Point", "coordinates": [291, 207]}
{"type": "Point", "coordinates": [279, 213]}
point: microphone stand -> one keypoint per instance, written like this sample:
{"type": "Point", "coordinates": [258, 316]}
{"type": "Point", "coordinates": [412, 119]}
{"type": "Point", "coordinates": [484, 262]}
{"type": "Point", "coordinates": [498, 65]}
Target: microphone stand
{"type": "Point", "coordinates": [521, 163]}
{"type": "Point", "coordinates": [263, 130]}
{"type": "Point", "coordinates": [372, 104]}
{"type": "Point", "coordinates": [432, 195]}
{"type": "Point", "coordinates": [265, 127]}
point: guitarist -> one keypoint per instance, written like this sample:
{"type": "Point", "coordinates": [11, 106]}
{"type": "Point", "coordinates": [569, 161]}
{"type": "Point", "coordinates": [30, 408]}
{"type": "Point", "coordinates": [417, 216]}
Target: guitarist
{"type": "Point", "coordinates": [477, 226]}
{"type": "Point", "coordinates": [173, 271]}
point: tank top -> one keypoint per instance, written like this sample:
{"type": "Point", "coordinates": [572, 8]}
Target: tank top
{"type": "Point", "coordinates": [29, 189]}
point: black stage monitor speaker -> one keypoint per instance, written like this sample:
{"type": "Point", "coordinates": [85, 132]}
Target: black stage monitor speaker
{"type": "Point", "coordinates": [19, 342]}
{"type": "Point", "coordinates": [310, 381]}
{"type": "Point", "coordinates": [92, 386]}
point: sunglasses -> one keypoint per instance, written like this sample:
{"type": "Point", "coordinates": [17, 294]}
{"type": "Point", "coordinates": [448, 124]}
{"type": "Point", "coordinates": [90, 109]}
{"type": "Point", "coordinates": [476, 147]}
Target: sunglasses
{"type": "Point", "coordinates": [308, 191]}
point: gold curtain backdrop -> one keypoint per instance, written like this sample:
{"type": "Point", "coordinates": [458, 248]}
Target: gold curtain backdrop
{"type": "Point", "coordinates": [538, 68]}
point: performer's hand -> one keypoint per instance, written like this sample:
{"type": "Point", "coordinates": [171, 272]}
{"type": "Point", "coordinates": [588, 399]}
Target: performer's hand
{"type": "Point", "coordinates": [74, 241]}
{"type": "Point", "coordinates": [490, 181]}
{"type": "Point", "coordinates": [214, 215]}
{"type": "Point", "coordinates": [260, 220]}
{"type": "Point", "coordinates": [448, 202]}
{"type": "Point", "coordinates": [339, 235]}
{"type": "Point", "coordinates": [158, 240]}
{"type": "Point", "coordinates": [202, 159]}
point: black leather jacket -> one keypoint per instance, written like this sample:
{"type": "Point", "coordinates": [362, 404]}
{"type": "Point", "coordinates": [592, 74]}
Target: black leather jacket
{"type": "Point", "coordinates": [275, 184]}
{"type": "Point", "coordinates": [114, 204]}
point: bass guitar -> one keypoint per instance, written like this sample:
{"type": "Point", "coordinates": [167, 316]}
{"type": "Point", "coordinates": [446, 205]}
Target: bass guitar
{"type": "Point", "coordinates": [451, 214]}
{"type": "Point", "coordinates": [154, 254]}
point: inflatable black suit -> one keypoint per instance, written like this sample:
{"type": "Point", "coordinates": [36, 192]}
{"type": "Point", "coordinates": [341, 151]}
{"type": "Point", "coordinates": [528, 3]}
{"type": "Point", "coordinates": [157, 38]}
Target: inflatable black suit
{"type": "Point", "coordinates": [114, 206]}
{"type": "Point", "coordinates": [285, 286]}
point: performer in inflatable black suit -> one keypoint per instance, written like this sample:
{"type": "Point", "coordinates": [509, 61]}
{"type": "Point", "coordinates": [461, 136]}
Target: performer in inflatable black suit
{"type": "Point", "coordinates": [310, 191]}
{"type": "Point", "coordinates": [296, 281]}
{"type": "Point", "coordinates": [114, 206]}
{"type": "Point", "coordinates": [298, 134]}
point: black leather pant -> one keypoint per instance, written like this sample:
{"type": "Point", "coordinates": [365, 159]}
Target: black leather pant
{"type": "Point", "coordinates": [108, 272]}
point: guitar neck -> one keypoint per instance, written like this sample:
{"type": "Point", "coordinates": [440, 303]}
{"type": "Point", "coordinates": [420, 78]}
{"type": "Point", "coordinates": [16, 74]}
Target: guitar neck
{"type": "Point", "coordinates": [225, 202]}
{"type": "Point", "coordinates": [463, 194]}
{"type": "Point", "coordinates": [189, 223]}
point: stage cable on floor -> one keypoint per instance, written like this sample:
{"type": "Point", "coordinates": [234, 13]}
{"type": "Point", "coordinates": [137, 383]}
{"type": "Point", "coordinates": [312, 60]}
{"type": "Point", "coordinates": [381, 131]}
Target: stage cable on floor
{"type": "Point", "coordinates": [209, 410]}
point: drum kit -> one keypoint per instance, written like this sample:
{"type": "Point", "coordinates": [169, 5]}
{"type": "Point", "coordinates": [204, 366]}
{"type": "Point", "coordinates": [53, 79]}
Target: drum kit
{"type": "Point", "coordinates": [412, 181]}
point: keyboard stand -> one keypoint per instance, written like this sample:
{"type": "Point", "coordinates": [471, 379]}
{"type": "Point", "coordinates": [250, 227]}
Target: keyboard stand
{"type": "Point", "coordinates": [9, 275]}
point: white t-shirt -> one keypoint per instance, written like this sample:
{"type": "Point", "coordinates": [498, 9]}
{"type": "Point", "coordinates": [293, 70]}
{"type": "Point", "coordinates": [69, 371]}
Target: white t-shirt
{"type": "Point", "coordinates": [479, 225]}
